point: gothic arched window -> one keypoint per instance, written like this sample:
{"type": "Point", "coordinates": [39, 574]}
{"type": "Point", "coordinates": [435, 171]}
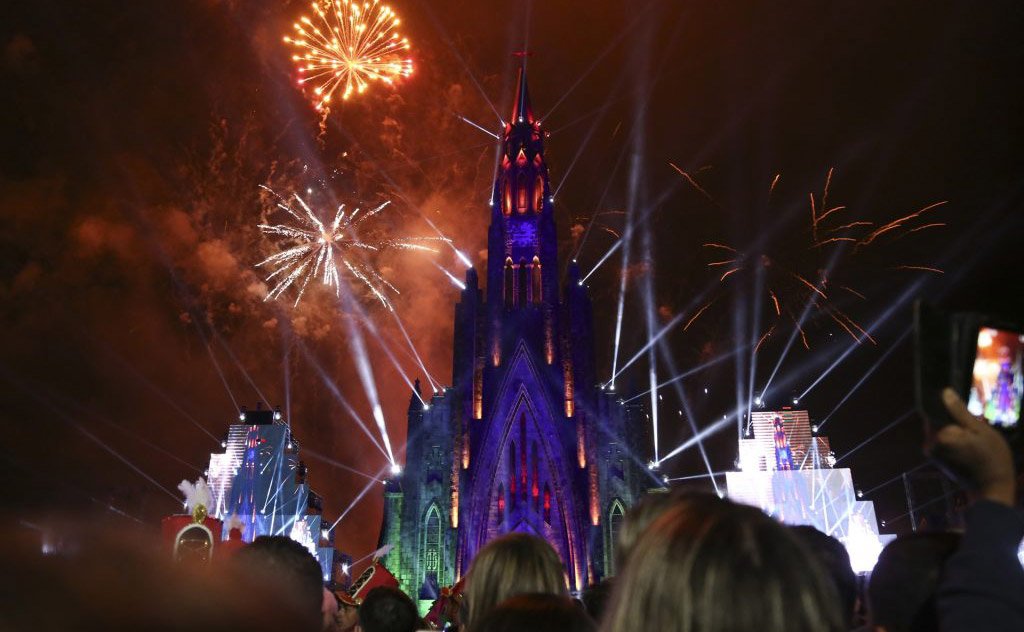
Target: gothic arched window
{"type": "Point", "coordinates": [510, 288]}
{"type": "Point", "coordinates": [432, 542]}
{"type": "Point", "coordinates": [536, 284]}
{"type": "Point", "coordinates": [512, 456]}
{"type": "Point", "coordinates": [506, 198]}
{"type": "Point", "coordinates": [524, 283]}
{"type": "Point", "coordinates": [538, 194]}
{"type": "Point", "coordinates": [522, 453]}
{"type": "Point", "coordinates": [522, 194]}
{"type": "Point", "coordinates": [615, 516]}
{"type": "Point", "coordinates": [501, 504]}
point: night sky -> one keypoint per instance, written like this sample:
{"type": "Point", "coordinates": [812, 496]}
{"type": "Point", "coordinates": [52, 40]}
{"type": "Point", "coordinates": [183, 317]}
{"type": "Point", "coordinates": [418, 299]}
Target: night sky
{"type": "Point", "coordinates": [135, 135]}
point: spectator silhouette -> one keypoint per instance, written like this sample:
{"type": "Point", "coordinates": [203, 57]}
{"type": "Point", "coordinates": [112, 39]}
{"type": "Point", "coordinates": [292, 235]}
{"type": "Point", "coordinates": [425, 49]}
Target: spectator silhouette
{"type": "Point", "coordinates": [903, 585]}
{"type": "Point", "coordinates": [711, 565]}
{"type": "Point", "coordinates": [387, 609]}
{"type": "Point", "coordinates": [537, 612]}
{"type": "Point", "coordinates": [511, 565]}
{"type": "Point", "coordinates": [833, 557]}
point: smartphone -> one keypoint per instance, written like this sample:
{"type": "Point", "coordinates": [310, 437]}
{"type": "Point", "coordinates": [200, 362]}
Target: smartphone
{"type": "Point", "coordinates": [979, 356]}
{"type": "Point", "coordinates": [996, 380]}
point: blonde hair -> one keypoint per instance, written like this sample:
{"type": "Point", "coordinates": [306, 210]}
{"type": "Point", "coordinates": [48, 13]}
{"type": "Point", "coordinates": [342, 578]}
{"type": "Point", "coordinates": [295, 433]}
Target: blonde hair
{"type": "Point", "coordinates": [511, 565]}
{"type": "Point", "coordinates": [710, 565]}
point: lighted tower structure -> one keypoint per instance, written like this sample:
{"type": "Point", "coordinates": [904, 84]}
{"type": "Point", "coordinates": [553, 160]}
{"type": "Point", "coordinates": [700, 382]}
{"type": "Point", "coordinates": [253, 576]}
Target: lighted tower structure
{"type": "Point", "coordinates": [788, 470]}
{"type": "Point", "coordinates": [524, 440]}
{"type": "Point", "coordinates": [260, 481]}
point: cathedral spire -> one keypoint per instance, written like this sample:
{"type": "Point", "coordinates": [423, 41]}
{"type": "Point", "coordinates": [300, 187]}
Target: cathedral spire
{"type": "Point", "coordinates": [415, 400]}
{"type": "Point", "coordinates": [522, 112]}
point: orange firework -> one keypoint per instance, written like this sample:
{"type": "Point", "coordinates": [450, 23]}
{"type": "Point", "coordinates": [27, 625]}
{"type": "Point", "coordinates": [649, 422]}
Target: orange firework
{"type": "Point", "coordinates": [797, 279]}
{"type": "Point", "coordinates": [346, 46]}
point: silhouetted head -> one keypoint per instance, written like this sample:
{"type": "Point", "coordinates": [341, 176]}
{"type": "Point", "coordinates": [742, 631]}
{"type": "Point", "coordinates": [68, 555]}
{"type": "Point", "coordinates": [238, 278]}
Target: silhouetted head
{"type": "Point", "coordinates": [636, 520]}
{"type": "Point", "coordinates": [101, 578]}
{"type": "Point", "coordinates": [387, 609]}
{"type": "Point", "coordinates": [511, 565]}
{"type": "Point", "coordinates": [279, 559]}
{"type": "Point", "coordinates": [536, 612]}
{"type": "Point", "coordinates": [711, 565]}
{"type": "Point", "coordinates": [833, 557]}
{"type": "Point", "coordinates": [595, 598]}
{"type": "Point", "coordinates": [901, 592]}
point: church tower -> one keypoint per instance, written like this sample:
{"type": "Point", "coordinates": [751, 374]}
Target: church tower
{"type": "Point", "coordinates": [532, 444]}
{"type": "Point", "coordinates": [523, 472]}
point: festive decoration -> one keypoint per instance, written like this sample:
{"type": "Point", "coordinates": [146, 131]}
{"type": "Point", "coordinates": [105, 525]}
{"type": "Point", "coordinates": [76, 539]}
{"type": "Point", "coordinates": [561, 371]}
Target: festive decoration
{"type": "Point", "coordinates": [192, 536]}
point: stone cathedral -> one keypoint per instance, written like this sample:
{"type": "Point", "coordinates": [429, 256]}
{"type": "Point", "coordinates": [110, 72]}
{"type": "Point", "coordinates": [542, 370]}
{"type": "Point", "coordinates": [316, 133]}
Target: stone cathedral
{"type": "Point", "coordinates": [524, 439]}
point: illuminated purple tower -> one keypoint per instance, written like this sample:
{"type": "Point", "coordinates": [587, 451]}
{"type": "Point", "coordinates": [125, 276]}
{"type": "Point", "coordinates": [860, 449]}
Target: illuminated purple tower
{"type": "Point", "coordinates": [524, 440]}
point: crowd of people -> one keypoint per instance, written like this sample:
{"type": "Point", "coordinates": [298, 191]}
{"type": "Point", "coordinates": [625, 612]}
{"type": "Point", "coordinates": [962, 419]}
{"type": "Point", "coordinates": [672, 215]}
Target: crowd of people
{"type": "Point", "coordinates": [689, 562]}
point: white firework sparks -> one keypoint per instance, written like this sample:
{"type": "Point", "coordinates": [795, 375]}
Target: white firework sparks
{"type": "Point", "coordinates": [322, 249]}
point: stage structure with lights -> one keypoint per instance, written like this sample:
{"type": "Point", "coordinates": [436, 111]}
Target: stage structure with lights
{"type": "Point", "coordinates": [788, 470]}
{"type": "Point", "coordinates": [524, 440]}
{"type": "Point", "coordinates": [260, 481]}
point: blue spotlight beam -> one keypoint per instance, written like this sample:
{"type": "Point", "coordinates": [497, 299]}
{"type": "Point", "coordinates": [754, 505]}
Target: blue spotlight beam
{"type": "Point", "coordinates": [811, 302]}
{"type": "Point", "coordinates": [706, 432]}
{"type": "Point", "coordinates": [597, 60]}
{"type": "Point", "coordinates": [650, 343]}
{"type": "Point", "coordinates": [341, 398]}
{"type": "Point", "coordinates": [412, 348]}
{"type": "Point", "coordinates": [867, 374]}
{"type": "Point", "coordinates": [479, 127]}
{"type": "Point", "coordinates": [666, 355]}
{"type": "Point", "coordinates": [159, 392]}
{"type": "Point", "coordinates": [364, 368]}
{"type": "Point", "coordinates": [86, 433]}
{"type": "Point", "coordinates": [338, 464]}
{"type": "Point", "coordinates": [241, 368]}
{"type": "Point", "coordinates": [755, 328]}
{"type": "Point", "coordinates": [462, 62]}
{"type": "Point", "coordinates": [889, 426]}
{"type": "Point", "coordinates": [927, 503]}
{"type": "Point", "coordinates": [697, 477]}
{"type": "Point", "coordinates": [909, 293]}
{"type": "Point", "coordinates": [895, 478]}
{"type": "Point", "coordinates": [693, 371]}
{"type": "Point", "coordinates": [220, 373]}
{"type": "Point", "coordinates": [458, 253]}
{"type": "Point", "coordinates": [586, 140]}
{"type": "Point", "coordinates": [358, 497]}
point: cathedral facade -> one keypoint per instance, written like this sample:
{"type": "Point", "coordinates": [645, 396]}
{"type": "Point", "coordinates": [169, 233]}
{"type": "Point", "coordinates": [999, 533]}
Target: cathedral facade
{"type": "Point", "coordinates": [524, 440]}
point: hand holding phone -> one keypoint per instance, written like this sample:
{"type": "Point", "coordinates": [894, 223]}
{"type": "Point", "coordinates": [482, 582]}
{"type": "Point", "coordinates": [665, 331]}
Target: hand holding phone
{"type": "Point", "coordinates": [979, 356]}
{"type": "Point", "coordinates": [977, 451]}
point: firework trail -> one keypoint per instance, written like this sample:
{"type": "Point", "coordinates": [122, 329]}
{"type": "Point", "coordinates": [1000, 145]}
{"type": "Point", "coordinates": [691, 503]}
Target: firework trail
{"type": "Point", "coordinates": [322, 250]}
{"type": "Point", "coordinates": [797, 276]}
{"type": "Point", "coordinates": [346, 46]}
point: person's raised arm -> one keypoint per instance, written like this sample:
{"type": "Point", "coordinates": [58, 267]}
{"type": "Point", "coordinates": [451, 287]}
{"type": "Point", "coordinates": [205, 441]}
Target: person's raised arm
{"type": "Point", "coordinates": [983, 583]}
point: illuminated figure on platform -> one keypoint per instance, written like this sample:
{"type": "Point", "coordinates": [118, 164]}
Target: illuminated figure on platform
{"type": "Point", "coordinates": [783, 455]}
{"type": "Point", "coordinates": [801, 485]}
{"type": "Point", "coordinates": [523, 440]}
{"type": "Point", "coordinates": [1003, 406]}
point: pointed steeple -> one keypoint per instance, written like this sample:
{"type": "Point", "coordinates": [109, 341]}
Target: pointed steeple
{"type": "Point", "coordinates": [415, 402]}
{"type": "Point", "coordinates": [522, 111]}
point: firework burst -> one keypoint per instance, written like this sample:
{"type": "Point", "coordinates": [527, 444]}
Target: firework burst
{"type": "Point", "coordinates": [801, 277]}
{"type": "Point", "coordinates": [345, 46]}
{"type": "Point", "coordinates": [322, 250]}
